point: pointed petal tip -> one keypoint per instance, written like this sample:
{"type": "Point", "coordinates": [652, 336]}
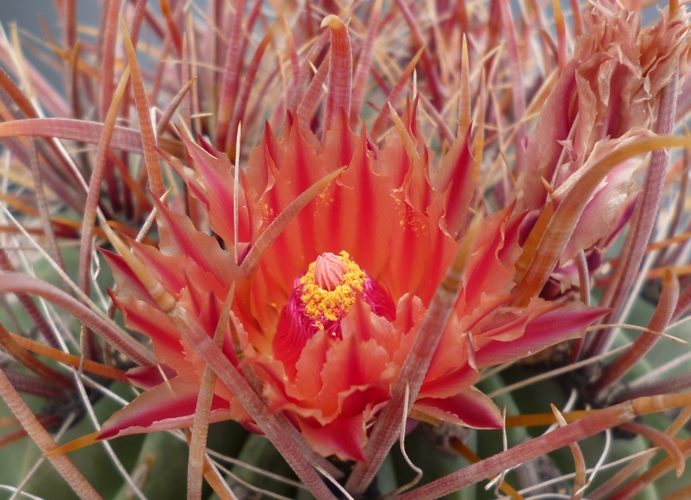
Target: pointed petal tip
{"type": "Point", "coordinates": [470, 408]}
{"type": "Point", "coordinates": [77, 444]}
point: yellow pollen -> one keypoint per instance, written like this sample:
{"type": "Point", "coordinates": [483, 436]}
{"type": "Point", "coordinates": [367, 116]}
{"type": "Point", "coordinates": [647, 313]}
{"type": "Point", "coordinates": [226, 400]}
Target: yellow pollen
{"type": "Point", "coordinates": [330, 286]}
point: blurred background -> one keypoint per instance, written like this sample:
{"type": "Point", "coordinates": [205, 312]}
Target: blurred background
{"type": "Point", "coordinates": [32, 16]}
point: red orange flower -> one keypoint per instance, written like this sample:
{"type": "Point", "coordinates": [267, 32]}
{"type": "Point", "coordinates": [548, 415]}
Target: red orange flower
{"type": "Point", "coordinates": [330, 313]}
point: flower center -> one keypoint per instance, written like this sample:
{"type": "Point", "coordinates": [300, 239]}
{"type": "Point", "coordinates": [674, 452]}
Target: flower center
{"type": "Point", "coordinates": [330, 287]}
{"type": "Point", "coordinates": [320, 300]}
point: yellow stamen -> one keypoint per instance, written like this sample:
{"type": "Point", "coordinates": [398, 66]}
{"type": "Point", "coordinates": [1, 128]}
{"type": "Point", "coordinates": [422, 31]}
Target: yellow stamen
{"type": "Point", "coordinates": [330, 286]}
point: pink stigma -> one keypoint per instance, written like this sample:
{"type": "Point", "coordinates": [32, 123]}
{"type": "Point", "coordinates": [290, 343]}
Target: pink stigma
{"type": "Point", "coordinates": [329, 270]}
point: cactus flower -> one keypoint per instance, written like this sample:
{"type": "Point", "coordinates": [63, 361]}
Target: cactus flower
{"type": "Point", "coordinates": [326, 319]}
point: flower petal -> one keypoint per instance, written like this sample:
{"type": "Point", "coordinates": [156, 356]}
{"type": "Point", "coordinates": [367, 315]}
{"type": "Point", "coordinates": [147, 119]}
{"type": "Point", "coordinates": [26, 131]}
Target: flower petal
{"type": "Point", "coordinates": [148, 377]}
{"type": "Point", "coordinates": [154, 323]}
{"type": "Point", "coordinates": [471, 408]}
{"type": "Point", "coordinates": [170, 405]}
{"type": "Point", "coordinates": [458, 178]}
{"type": "Point", "coordinates": [214, 187]}
{"type": "Point", "coordinates": [344, 438]}
{"type": "Point", "coordinates": [449, 384]}
{"type": "Point", "coordinates": [179, 237]}
{"type": "Point", "coordinates": [349, 364]}
{"type": "Point", "coordinates": [555, 326]}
